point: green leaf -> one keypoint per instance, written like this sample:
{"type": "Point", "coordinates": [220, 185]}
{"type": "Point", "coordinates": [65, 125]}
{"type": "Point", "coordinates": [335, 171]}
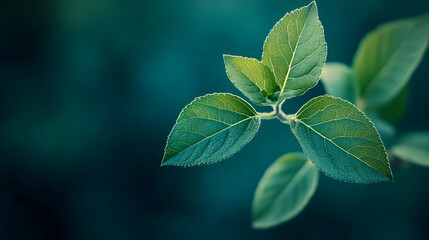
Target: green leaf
{"type": "Point", "coordinates": [284, 190]}
{"type": "Point", "coordinates": [340, 81]}
{"type": "Point", "coordinates": [210, 129]}
{"type": "Point", "coordinates": [387, 57]}
{"type": "Point", "coordinates": [252, 78]}
{"type": "Point", "coordinates": [341, 141]}
{"type": "Point", "coordinates": [385, 129]}
{"type": "Point", "coordinates": [393, 110]}
{"type": "Point", "coordinates": [295, 50]}
{"type": "Point", "coordinates": [413, 147]}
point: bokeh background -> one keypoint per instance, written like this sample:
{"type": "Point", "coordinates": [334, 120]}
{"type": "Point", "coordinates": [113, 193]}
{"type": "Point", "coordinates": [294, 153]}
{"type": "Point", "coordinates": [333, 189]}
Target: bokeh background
{"type": "Point", "coordinates": [91, 88]}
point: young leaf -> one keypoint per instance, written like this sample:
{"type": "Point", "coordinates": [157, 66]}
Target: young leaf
{"type": "Point", "coordinates": [340, 81]}
{"type": "Point", "coordinates": [387, 57]}
{"type": "Point", "coordinates": [252, 78]}
{"type": "Point", "coordinates": [413, 147]}
{"type": "Point", "coordinates": [341, 141]}
{"type": "Point", "coordinates": [284, 190]}
{"type": "Point", "coordinates": [209, 129]}
{"type": "Point", "coordinates": [295, 50]}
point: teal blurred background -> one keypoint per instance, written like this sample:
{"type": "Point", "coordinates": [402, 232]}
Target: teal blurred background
{"type": "Point", "coordinates": [91, 88]}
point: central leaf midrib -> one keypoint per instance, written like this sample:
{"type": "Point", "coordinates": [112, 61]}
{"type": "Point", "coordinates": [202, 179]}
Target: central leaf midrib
{"type": "Point", "coordinates": [298, 176]}
{"type": "Point", "coordinates": [248, 77]}
{"type": "Point", "coordinates": [338, 146]}
{"type": "Point", "coordinates": [293, 54]}
{"type": "Point", "coordinates": [230, 126]}
{"type": "Point", "coordinates": [372, 81]}
{"type": "Point", "coordinates": [227, 110]}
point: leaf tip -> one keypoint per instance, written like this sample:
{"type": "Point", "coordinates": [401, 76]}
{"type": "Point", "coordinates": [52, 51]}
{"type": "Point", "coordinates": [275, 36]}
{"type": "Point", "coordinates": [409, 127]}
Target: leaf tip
{"type": "Point", "coordinates": [312, 4]}
{"type": "Point", "coordinates": [227, 59]}
{"type": "Point", "coordinates": [256, 224]}
{"type": "Point", "coordinates": [225, 56]}
{"type": "Point", "coordinates": [390, 176]}
{"type": "Point", "coordinates": [162, 163]}
{"type": "Point", "coordinates": [260, 224]}
{"type": "Point", "coordinates": [165, 162]}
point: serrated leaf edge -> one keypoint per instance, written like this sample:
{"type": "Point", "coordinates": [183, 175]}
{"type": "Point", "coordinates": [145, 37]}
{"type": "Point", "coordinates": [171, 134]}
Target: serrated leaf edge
{"type": "Point", "coordinates": [267, 96]}
{"type": "Point", "coordinates": [293, 54]}
{"type": "Point", "coordinates": [373, 126]}
{"type": "Point", "coordinates": [163, 161]}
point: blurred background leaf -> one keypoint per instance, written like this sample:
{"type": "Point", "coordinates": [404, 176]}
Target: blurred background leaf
{"type": "Point", "coordinates": [413, 147]}
{"type": "Point", "coordinates": [340, 80]}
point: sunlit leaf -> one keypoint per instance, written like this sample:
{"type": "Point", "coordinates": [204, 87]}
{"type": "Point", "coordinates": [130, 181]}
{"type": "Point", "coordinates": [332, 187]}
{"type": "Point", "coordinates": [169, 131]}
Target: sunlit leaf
{"type": "Point", "coordinates": [252, 78]}
{"type": "Point", "coordinates": [295, 50]}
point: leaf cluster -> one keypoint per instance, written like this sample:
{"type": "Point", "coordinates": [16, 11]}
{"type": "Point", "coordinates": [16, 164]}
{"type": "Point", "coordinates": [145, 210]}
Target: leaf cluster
{"type": "Point", "coordinates": [336, 137]}
{"type": "Point", "coordinates": [378, 80]}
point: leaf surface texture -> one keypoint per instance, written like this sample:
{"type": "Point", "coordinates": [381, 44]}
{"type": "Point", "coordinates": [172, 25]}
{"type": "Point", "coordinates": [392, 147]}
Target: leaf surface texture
{"type": "Point", "coordinates": [210, 129]}
{"type": "Point", "coordinates": [341, 141]}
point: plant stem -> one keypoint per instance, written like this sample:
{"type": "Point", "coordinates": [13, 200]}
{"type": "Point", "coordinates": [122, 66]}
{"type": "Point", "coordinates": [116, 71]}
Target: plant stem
{"type": "Point", "coordinates": [269, 115]}
{"type": "Point", "coordinates": [277, 113]}
{"type": "Point", "coordinates": [283, 117]}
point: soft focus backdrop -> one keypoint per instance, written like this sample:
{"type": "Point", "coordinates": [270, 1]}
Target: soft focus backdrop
{"type": "Point", "coordinates": [91, 88]}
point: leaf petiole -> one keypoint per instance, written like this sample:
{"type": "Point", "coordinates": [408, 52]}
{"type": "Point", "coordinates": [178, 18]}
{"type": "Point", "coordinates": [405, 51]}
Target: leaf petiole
{"type": "Point", "coordinates": [269, 115]}
{"type": "Point", "coordinates": [285, 118]}
{"type": "Point", "coordinates": [277, 113]}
